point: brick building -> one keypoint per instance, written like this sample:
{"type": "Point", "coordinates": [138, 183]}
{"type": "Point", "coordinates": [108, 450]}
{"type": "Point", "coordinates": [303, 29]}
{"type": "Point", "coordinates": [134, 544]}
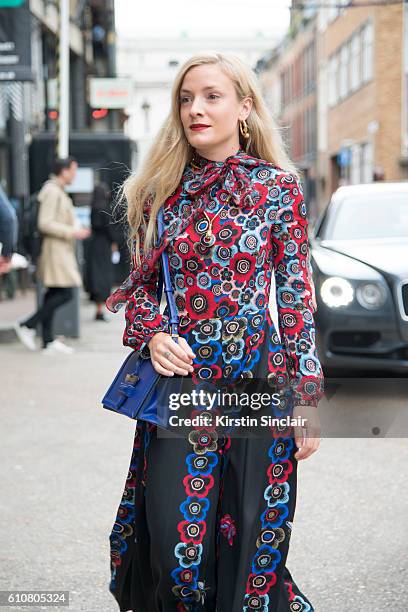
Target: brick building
{"type": "Point", "coordinates": [289, 83]}
{"type": "Point", "coordinates": [337, 84]}
{"type": "Point", "coordinates": [360, 102]}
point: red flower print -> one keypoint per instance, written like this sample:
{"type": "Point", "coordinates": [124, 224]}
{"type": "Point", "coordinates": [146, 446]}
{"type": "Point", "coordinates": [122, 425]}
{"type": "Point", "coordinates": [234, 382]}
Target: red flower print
{"type": "Point", "coordinates": [260, 584]}
{"type": "Point", "coordinates": [198, 485]}
{"type": "Point", "coordinates": [292, 321]}
{"type": "Point", "coordinates": [228, 528]}
{"type": "Point", "coordinates": [279, 472]}
{"type": "Point", "coordinates": [192, 532]}
{"type": "Point", "coordinates": [201, 303]}
{"type": "Point", "coordinates": [243, 265]}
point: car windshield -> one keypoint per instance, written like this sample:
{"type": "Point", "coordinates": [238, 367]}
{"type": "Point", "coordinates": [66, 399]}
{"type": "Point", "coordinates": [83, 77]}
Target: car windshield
{"type": "Point", "coordinates": [380, 215]}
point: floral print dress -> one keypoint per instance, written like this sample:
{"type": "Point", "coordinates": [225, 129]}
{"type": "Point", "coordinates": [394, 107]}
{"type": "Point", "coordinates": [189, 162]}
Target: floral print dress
{"type": "Point", "coordinates": [204, 522]}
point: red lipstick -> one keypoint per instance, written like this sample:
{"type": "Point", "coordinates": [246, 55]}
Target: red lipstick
{"type": "Point", "coordinates": [198, 127]}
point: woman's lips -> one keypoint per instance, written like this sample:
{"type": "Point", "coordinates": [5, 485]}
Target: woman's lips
{"type": "Point", "coordinates": [198, 128]}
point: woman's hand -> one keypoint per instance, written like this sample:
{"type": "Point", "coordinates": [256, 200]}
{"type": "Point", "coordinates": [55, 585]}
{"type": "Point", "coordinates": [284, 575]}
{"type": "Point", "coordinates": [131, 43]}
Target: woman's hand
{"type": "Point", "coordinates": [168, 357]}
{"type": "Point", "coordinates": [308, 440]}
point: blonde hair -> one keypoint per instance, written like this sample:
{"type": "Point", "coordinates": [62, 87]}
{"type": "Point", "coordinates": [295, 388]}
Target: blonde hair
{"type": "Point", "coordinates": [164, 164]}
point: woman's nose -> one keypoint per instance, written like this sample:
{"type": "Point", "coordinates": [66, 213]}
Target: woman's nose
{"type": "Point", "coordinates": [196, 107]}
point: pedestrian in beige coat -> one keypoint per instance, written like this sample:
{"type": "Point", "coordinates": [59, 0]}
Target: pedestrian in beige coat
{"type": "Point", "coordinates": [57, 265]}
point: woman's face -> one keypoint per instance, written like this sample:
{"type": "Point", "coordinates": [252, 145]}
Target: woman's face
{"type": "Point", "coordinates": [208, 98]}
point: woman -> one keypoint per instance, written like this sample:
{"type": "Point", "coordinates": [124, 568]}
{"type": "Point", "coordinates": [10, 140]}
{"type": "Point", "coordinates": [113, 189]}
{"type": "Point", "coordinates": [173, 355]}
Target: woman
{"type": "Point", "coordinates": [205, 521]}
{"type": "Point", "coordinates": [100, 272]}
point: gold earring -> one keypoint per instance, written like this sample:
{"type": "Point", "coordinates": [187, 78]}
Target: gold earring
{"type": "Point", "coordinates": [243, 128]}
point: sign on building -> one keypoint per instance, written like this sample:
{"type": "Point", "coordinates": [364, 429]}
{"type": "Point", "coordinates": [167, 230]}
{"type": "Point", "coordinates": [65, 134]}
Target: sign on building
{"type": "Point", "coordinates": [110, 93]}
{"type": "Point", "coordinates": [15, 43]}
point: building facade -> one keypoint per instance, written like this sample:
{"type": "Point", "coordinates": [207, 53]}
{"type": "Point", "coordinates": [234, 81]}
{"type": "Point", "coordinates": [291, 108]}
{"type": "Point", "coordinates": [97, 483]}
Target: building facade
{"type": "Point", "coordinates": [361, 105]}
{"type": "Point", "coordinates": [289, 84]}
{"type": "Point", "coordinates": [337, 84]}
{"type": "Point", "coordinates": [30, 107]}
{"type": "Point", "coordinates": [151, 65]}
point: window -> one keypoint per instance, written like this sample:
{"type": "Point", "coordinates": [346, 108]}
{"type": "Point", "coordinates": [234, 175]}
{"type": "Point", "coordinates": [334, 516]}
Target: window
{"type": "Point", "coordinates": [387, 214]}
{"type": "Point", "coordinates": [361, 169]}
{"type": "Point", "coordinates": [366, 162]}
{"type": "Point", "coordinates": [352, 65]}
{"type": "Point", "coordinates": [367, 52]}
{"type": "Point", "coordinates": [333, 81]}
{"type": "Point", "coordinates": [309, 68]}
{"type": "Point", "coordinates": [355, 62]}
{"type": "Point", "coordinates": [343, 71]}
{"type": "Point", "coordinates": [309, 127]}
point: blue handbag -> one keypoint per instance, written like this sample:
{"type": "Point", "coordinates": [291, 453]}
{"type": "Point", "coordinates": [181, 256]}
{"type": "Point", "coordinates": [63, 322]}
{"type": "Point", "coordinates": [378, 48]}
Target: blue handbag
{"type": "Point", "coordinates": [138, 391]}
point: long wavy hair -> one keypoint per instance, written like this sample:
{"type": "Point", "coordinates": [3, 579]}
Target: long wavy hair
{"type": "Point", "coordinates": [164, 164]}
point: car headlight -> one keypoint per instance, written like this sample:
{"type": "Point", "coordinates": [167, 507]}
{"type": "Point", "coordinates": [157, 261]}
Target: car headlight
{"type": "Point", "coordinates": [336, 292]}
{"type": "Point", "coordinates": [371, 295]}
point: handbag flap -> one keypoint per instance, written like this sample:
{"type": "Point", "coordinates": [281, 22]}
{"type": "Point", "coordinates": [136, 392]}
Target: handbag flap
{"type": "Point", "coordinates": [125, 385]}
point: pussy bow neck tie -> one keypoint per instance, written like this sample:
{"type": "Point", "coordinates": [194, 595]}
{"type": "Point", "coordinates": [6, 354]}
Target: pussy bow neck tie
{"type": "Point", "coordinates": [232, 174]}
{"type": "Point", "coordinates": [234, 177]}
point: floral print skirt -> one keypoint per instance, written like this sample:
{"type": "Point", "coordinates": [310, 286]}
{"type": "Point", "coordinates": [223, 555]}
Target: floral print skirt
{"type": "Point", "coordinates": [204, 524]}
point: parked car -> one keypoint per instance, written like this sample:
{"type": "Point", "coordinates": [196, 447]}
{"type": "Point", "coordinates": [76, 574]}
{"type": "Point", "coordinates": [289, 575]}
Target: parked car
{"type": "Point", "coordinates": [359, 251]}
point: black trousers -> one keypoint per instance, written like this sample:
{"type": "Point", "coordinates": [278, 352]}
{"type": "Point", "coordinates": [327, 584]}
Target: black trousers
{"type": "Point", "coordinates": [53, 299]}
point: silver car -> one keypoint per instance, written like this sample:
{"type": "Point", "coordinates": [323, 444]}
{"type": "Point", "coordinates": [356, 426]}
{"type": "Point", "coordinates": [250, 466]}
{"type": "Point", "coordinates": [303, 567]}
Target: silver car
{"type": "Point", "coordinates": [360, 266]}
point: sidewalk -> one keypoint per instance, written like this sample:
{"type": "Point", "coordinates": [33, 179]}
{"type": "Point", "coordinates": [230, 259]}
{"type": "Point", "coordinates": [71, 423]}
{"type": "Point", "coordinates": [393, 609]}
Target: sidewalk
{"type": "Point", "coordinates": [14, 310]}
{"type": "Point", "coordinates": [64, 462]}
{"type": "Point", "coordinates": [25, 304]}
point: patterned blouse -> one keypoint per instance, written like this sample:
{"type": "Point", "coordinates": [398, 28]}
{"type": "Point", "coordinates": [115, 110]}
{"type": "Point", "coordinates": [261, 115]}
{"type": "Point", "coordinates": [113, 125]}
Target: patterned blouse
{"type": "Point", "coordinates": [222, 291]}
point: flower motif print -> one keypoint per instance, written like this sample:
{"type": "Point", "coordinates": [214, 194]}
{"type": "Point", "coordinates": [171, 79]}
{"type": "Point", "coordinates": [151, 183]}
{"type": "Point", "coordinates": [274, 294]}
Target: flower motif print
{"type": "Point", "coordinates": [299, 605]}
{"type": "Point", "coordinates": [257, 603]}
{"type": "Point", "coordinates": [274, 517]}
{"type": "Point", "coordinates": [280, 449]}
{"type": "Point", "coordinates": [192, 532]}
{"type": "Point", "coordinates": [203, 440]}
{"type": "Point", "coordinates": [265, 560]}
{"type": "Point", "coordinates": [262, 230]}
{"type": "Point", "coordinates": [198, 485]}
{"type": "Point", "coordinates": [260, 584]}
{"type": "Point", "coordinates": [188, 554]}
{"type": "Point", "coordinates": [202, 464]}
{"type": "Point", "coordinates": [273, 537]}
{"type": "Point", "coordinates": [195, 508]}
{"type": "Point", "coordinates": [277, 494]}
{"type": "Point", "coordinates": [279, 472]}
{"type": "Point", "coordinates": [228, 528]}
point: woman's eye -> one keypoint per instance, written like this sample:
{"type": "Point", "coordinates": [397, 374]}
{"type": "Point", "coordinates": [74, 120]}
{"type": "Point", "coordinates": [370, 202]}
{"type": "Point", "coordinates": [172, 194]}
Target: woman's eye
{"type": "Point", "coordinates": [214, 96]}
{"type": "Point", "coordinates": [183, 100]}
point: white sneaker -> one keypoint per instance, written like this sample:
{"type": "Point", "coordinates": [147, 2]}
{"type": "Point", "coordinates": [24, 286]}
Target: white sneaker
{"type": "Point", "coordinates": [56, 346]}
{"type": "Point", "coordinates": [26, 336]}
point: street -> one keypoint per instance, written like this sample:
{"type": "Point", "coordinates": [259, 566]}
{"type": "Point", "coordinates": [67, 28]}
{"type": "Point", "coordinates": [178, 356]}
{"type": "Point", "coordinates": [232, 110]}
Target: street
{"type": "Point", "coordinates": [65, 461]}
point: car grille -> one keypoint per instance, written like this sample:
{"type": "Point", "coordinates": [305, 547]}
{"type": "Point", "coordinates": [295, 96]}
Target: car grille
{"type": "Point", "coordinates": [404, 300]}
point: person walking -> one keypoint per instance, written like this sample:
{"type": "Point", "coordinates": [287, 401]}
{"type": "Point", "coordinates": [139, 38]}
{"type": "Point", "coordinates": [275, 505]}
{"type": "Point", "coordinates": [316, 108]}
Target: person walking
{"type": "Point", "coordinates": [205, 519]}
{"type": "Point", "coordinates": [57, 265]}
{"type": "Point", "coordinates": [102, 245]}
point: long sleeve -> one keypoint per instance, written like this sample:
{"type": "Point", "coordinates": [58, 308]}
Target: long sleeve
{"type": "Point", "coordinates": [142, 312]}
{"type": "Point", "coordinates": [48, 222]}
{"type": "Point", "coordinates": [295, 291]}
